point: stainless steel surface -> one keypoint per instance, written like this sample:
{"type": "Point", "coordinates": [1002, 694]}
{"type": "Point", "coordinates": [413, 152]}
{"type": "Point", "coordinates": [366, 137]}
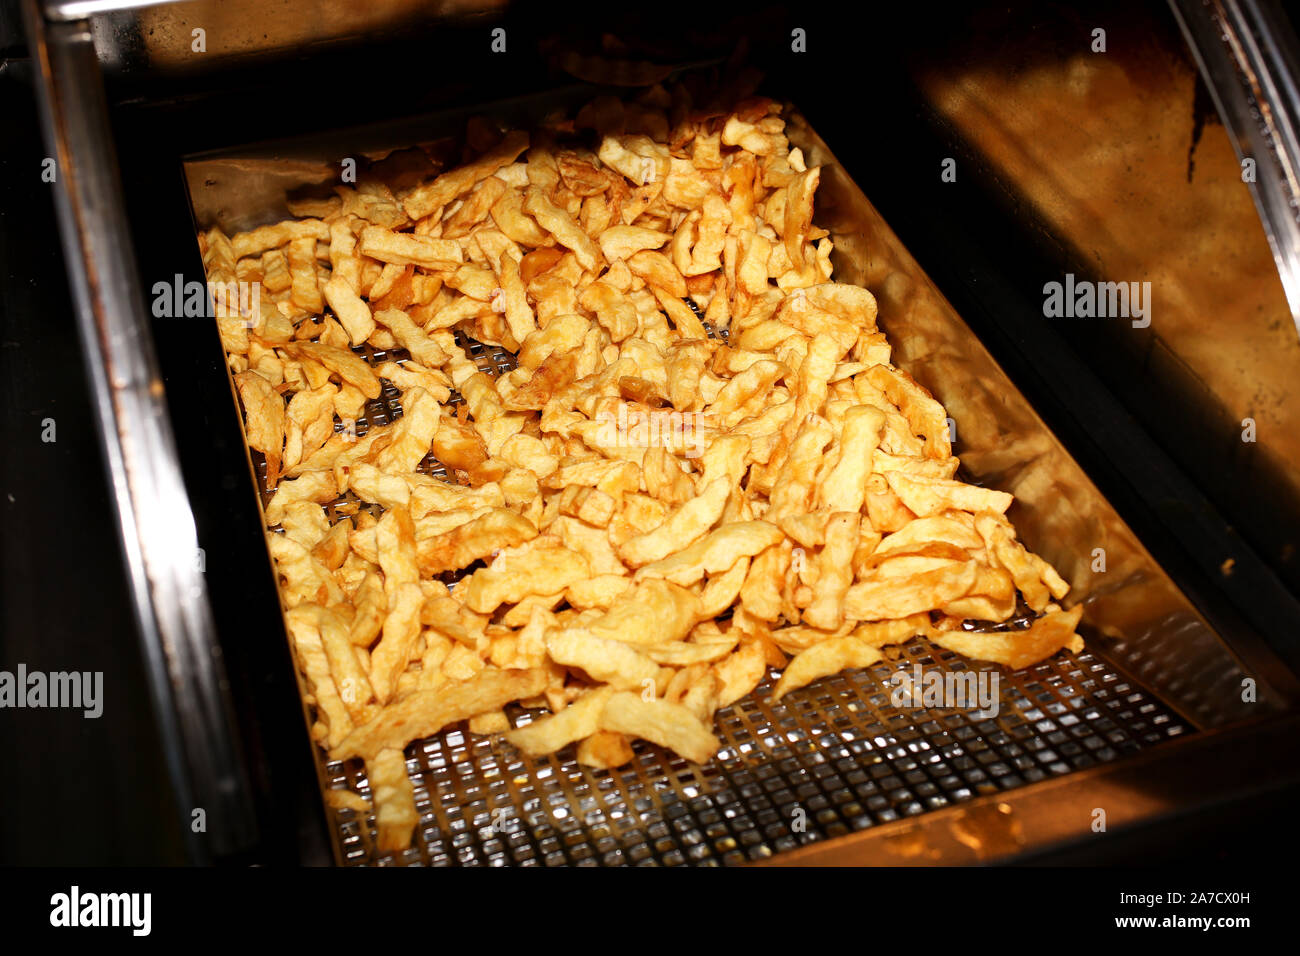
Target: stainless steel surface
{"type": "Point", "coordinates": [157, 36]}
{"type": "Point", "coordinates": [831, 759]}
{"type": "Point", "coordinates": [1249, 64]}
{"type": "Point", "coordinates": [156, 522]}
{"type": "Point", "coordinates": [1175, 783]}
{"type": "Point", "coordinates": [1118, 162]}
{"type": "Point", "coordinates": [84, 9]}
{"type": "Point", "coordinates": [839, 750]}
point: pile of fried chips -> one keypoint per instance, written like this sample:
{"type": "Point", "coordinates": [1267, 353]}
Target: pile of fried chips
{"type": "Point", "coordinates": [640, 519]}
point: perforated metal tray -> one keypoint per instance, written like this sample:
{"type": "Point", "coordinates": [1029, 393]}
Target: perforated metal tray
{"type": "Point", "coordinates": [824, 761]}
{"type": "Point", "coordinates": [838, 756]}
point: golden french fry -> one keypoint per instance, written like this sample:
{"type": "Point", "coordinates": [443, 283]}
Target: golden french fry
{"type": "Point", "coordinates": [603, 659]}
{"type": "Point", "coordinates": [684, 526]}
{"type": "Point", "coordinates": [264, 420]}
{"type": "Point", "coordinates": [352, 311]}
{"type": "Point", "coordinates": [930, 496]}
{"type": "Point", "coordinates": [604, 750]}
{"type": "Point", "coordinates": [400, 630]}
{"type": "Point", "coordinates": [668, 725]}
{"type": "Point", "coordinates": [823, 659]}
{"type": "Point", "coordinates": [431, 198]}
{"type": "Point", "coordinates": [899, 597]}
{"type": "Point", "coordinates": [395, 814]}
{"type": "Point", "coordinates": [332, 632]}
{"type": "Point", "coordinates": [563, 227]}
{"type": "Point", "coordinates": [541, 566]}
{"type": "Point", "coordinates": [272, 237]}
{"type": "Point", "coordinates": [348, 366]}
{"type": "Point", "coordinates": [1016, 649]}
{"type": "Point", "coordinates": [845, 488]}
{"type": "Point", "coordinates": [722, 589]}
{"type": "Point", "coordinates": [314, 663]}
{"type": "Point", "coordinates": [714, 553]}
{"type": "Point", "coordinates": [425, 712]}
{"type": "Point", "coordinates": [495, 529]}
{"type": "Point", "coordinates": [741, 672]}
{"type": "Point", "coordinates": [834, 571]}
{"type": "Point", "coordinates": [579, 720]}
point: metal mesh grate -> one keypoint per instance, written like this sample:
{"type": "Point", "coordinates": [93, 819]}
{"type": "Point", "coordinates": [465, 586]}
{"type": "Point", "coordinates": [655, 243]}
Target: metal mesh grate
{"type": "Point", "coordinates": [834, 757]}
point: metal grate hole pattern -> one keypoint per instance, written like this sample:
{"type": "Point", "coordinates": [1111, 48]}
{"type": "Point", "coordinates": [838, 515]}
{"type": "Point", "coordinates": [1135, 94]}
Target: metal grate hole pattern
{"type": "Point", "coordinates": [835, 757]}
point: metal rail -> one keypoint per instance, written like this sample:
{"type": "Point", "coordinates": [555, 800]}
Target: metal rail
{"type": "Point", "coordinates": [156, 523]}
{"type": "Point", "coordinates": [1247, 56]}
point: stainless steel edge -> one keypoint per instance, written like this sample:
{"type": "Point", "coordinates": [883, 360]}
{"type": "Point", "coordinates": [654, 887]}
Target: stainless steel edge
{"type": "Point", "coordinates": [1247, 58]}
{"type": "Point", "coordinates": [181, 653]}
{"type": "Point", "coordinates": [81, 9]}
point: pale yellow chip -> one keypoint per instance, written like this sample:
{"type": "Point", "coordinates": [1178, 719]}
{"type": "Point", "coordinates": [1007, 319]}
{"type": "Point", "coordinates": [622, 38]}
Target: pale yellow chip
{"type": "Point", "coordinates": [425, 712]}
{"type": "Point", "coordinates": [668, 725]}
{"type": "Point", "coordinates": [823, 659]}
{"type": "Point", "coordinates": [1018, 648]}
{"type": "Point", "coordinates": [684, 526]}
{"type": "Point", "coordinates": [579, 720]}
{"type": "Point", "coordinates": [395, 813]}
{"type": "Point", "coordinates": [603, 659]}
{"type": "Point", "coordinates": [714, 553]}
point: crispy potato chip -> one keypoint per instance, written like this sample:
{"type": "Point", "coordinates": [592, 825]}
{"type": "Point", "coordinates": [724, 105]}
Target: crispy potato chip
{"type": "Point", "coordinates": [1016, 649]}
{"type": "Point", "coordinates": [930, 496]}
{"type": "Point", "coordinates": [272, 237]}
{"type": "Point", "coordinates": [351, 309]}
{"type": "Point", "coordinates": [668, 725]}
{"type": "Point", "coordinates": [496, 529]}
{"type": "Point", "coordinates": [714, 553]}
{"type": "Point", "coordinates": [834, 571]}
{"type": "Point", "coordinates": [433, 197]}
{"type": "Point", "coordinates": [395, 813]}
{"type": "Point", "coordinates": [650, 612]}
{"type": "Point", "coordinates": [541, 566]}
{"type": "Point", "coordinates": [348, 366]}
{"type": "Point", "coordinates": [605, 750]}
{"type": "Point", "coordinates": [899, 597]}
{"type": "Point", "coordinates": [845, 487]}
{"type": "Point", "coordinates": [741, 672]}
{"type": "Point", "coordinates": [411, 337]}
{"type": "Point", "coordinates": [401, 628]}
{"type": "Point", "coordinates": [823, 659]}
{"type": "Point", "coordinates": [332, 632]}
{"type": "Point", "coordinates": [425, 712]}
{"type": "Point", "coordinates": [603, 659]}
{"type": "Point", "coordinates": [264, 420]}
{"type": "Point", "coordinates": [686, 525]}
{"type": "Point", "coordinates": [579, 720]}
{"type": "Point", "coordinates": [314, 663]}
{"type": "Point", "coordinates": [563, 227]}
